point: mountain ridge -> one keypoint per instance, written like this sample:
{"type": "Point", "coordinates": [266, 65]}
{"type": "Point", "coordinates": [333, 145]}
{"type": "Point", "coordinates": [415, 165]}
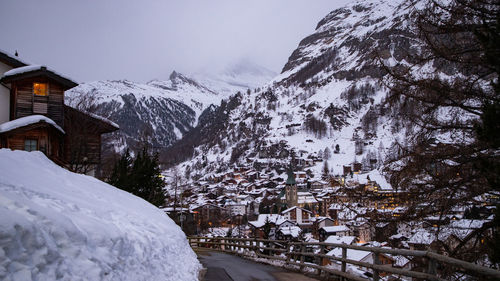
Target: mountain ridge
{"type": "Point", "coordinates": [158, 112]}
{"type": "Point", "coordinates": [329, 93]}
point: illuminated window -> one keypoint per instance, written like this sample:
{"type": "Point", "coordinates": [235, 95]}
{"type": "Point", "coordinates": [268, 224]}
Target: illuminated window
{"type": "Point", "coordinates": [40, 89]}
{"type": "Point", "coordinates": [30, 145]}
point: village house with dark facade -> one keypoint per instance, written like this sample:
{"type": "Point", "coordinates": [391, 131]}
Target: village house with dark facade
{"type": "Point", "coordinates": [34, 117]}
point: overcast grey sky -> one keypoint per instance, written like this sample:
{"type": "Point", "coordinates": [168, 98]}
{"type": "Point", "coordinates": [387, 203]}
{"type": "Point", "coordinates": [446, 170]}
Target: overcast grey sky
{"type": "Point", "coordinates": [145, 39]}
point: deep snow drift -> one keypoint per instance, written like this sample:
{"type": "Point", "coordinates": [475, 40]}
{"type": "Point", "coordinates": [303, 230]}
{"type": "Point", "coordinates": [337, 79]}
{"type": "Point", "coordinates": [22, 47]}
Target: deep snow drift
{"type": "Point", "coordinates": [55, 224]}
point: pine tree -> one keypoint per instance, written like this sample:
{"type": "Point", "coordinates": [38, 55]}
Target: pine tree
{"type": "Point", "coordinates": [326, 171]}
{"type": "Point", "coordinates": [140, 177]}
{"type": "Point", "coordinates": [147, 172]}
{"type": "Point", "coordinates": [327, 154]}
{"type": "Point", "coordinates": [121, 172]}
{"type": "Point", "coordinates": [266, 229]}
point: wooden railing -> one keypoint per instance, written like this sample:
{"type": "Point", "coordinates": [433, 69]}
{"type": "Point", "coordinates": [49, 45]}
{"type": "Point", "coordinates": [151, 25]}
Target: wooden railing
{"type": "Point", "coordinates": [299, 254]}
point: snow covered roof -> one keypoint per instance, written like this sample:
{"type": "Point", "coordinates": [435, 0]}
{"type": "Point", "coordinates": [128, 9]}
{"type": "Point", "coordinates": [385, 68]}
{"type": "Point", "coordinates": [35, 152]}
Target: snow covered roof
{"type": "Point", "coordinates": [294, 207]}
{"type": "Point", "coordinates": [320, 219]}
{"type": "Point", "coordinates": [356, 255]}
{"type": "Point", "coordinates": [305, 197]}
{"type": "Point", "coordinates": [293, 231]}
{"type": "Point", "coordinates": [340, 239]}
{"type": "Point", "coordinates": [377, 177]}
{"type": "Point", "coordinates": [177, 209]}
{"type": "Point", "coordinates": [422, 236]}
{"type": "Point", "coordinates": [467, 224]}
{"type": "Point", "coordinates": [103, 120]}
{"type": "Point", "coordinates": [11, 59]}
{"type": "Point", "coordinates": [273, 218]}
{"type": "Point", "coordinates": [34, 70]}
{"type": "Point", "coordinates": [22, 69]}
{"type": "Point", "coordinates": [28, 120]}
{"type": "Point", "coordinates": [336, 228]}
{"type": "Point", "coordinates": [400, 261]}
{"type": "Point", "coordinates": [335, 206]}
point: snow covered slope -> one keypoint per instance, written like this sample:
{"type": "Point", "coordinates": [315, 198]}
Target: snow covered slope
{"type": "Point", "coordinates": [58, 225]}
{"type": "Point", "coordinates": [328, 94]}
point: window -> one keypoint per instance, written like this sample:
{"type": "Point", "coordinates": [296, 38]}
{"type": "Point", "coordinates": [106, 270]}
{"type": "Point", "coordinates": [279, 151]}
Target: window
{"type": "Point", "coordinates": [30, 145]}
{"type": "Point", "coordinates": [40, 89]}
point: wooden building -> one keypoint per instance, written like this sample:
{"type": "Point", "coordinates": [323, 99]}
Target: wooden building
{"type": "Point", "coordinates": [32, 133]}
{"type": "Point", "coordinates": [82, 142]}
{"type": "Point", "coordinates": [39, 120]}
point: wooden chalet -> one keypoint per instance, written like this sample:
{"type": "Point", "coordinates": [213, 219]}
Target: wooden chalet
{"type": "Point", "coordinates": [33, 116]}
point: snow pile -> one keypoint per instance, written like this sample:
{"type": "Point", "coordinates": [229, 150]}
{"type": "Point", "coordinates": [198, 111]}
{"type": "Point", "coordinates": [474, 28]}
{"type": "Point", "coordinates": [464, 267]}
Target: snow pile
{"type": "Point", "coordinates": [56, 224]}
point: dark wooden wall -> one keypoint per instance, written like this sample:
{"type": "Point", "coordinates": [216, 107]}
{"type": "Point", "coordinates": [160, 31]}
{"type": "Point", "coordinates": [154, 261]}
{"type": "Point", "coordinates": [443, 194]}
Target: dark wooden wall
{"type": "Point", "coordinates": [25, 103]}
{"type": "Point", "coordinates": [83, 138]}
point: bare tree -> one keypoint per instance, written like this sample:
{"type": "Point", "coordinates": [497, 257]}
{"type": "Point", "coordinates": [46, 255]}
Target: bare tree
{"type": "Point", "coordinates": [452, 154]}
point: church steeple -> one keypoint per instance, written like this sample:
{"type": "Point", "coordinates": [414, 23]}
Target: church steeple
{"type": "Point", "coordinates": [291, 189]}
{"type": "Point", "coordinates": [291, 177]}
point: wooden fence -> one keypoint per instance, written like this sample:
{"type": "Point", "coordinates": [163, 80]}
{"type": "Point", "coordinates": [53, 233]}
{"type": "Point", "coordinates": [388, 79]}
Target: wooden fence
{"type": "Point", "coordinates": [313, 255]}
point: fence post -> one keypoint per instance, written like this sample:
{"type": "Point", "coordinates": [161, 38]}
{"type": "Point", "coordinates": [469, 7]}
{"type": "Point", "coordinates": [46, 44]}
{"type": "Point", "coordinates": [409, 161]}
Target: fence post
{"type": "Point", "coordinates": [376, 260]}
{"type": "Point", "coordinates": [432, 267]}
{"type": "Point", "coordinates": [302, 250]}
{"type": "Point", "coordinates": [319, 259]}
{"type": "Point", "coordinates": [288, 253]}
{"type": "Point", "coordinates": [344, 256]}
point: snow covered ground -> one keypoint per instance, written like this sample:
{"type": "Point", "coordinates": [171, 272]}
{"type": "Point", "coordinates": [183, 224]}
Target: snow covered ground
{"type": "Point", "coordinates": [55, 224]}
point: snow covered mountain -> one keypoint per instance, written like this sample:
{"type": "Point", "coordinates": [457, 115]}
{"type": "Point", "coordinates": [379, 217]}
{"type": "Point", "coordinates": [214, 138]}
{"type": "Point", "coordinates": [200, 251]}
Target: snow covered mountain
{"type": "Point", "coordinates": [59, 225]}
{"type": "Point", "coordinates": [160, 112]}
{"type": "Point", "coordinates": [328, 94]}
{"type": "Point", "coordinates": [237, 77]}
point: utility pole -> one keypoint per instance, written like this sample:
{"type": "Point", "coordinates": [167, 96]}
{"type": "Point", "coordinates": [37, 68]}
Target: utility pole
{"type": "Point", "coordinates": [182, 209]}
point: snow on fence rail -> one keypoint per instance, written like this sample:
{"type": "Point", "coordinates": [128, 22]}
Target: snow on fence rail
{"type": "Point", "coordinates": [296, 253]}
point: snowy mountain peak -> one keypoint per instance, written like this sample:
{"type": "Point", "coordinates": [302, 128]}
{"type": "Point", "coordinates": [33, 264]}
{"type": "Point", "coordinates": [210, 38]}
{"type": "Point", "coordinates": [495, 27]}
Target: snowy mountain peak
{"type": "Point", "coordinates": [348, 33]}
{"type": "Point", "coordinates": [246, 67]}
{"type": "Point", "coordinates": [240, 76]}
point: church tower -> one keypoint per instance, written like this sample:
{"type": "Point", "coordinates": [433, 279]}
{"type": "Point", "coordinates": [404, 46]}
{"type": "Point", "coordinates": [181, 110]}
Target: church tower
{"type": "Point", "coordinates": [291, 190]}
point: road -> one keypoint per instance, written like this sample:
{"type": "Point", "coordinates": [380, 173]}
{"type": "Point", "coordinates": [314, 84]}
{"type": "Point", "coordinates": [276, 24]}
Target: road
{"type": "Point", "coordinates": [225, 267]}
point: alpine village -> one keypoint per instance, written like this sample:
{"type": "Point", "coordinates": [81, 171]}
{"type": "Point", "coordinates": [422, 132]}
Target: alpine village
{"type": "Point", "coordinates": [381, 131]}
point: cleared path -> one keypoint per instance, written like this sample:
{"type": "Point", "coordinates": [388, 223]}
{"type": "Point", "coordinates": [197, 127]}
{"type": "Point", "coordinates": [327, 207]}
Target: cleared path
{"type": "Point", "coordinates": [225, 267]}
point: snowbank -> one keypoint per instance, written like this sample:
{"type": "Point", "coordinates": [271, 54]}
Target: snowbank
{"type": "Point", "coordinates": [55, 224]}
